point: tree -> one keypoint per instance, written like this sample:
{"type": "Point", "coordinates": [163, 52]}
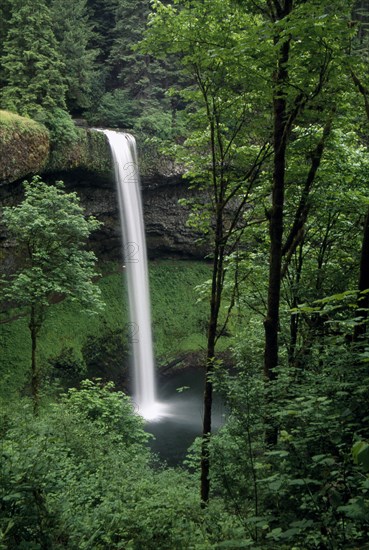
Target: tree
{"type": "Point", "coordinates": [224, 153]}
{"type": "Point", "coordinates": [130, 68]}
{"type": "Point", "coordinates": [102, 15]}
{"type": "Point", "coordinates": [4, 25]}
{"type": "Point", "coordinates": [31, 62]}
{"type": "Point", "coordinates": [145, 77]}
{"type": "Point", "coordinates": [74, 33]}
{"type": "Point", "coordinates": [304, 63]}
{"type": "Point", "coordinates": [326, 258]}
{"type": "Point", "coordinates": [136, 83]}
{"type": "Point", "coordinates": [358, 68]}
{"type": "Point", "coordinates": [51, 232]}
{"type": "Point", "coordinates": [259, 66]}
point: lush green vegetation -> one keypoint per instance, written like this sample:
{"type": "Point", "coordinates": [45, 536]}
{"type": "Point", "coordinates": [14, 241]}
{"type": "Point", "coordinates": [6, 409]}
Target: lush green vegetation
{"type": "Point", "coordinates": [50, 231]}
{"type": "Point", "coordinates": [265, 103]}
{"type": "Point", "coordinates": [179, 324]}
{"type": "Point", "coordinates": [11, 122]}
{"type": "Point", "coordinates": [81, 477]}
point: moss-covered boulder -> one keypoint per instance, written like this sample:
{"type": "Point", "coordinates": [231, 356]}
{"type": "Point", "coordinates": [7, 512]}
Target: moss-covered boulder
{"type": "Point", "coordinates": [24, 147]}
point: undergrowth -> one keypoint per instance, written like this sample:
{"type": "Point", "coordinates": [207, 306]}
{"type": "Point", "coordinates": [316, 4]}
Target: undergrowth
{"type": "Point", "coordinates": [178, 321]}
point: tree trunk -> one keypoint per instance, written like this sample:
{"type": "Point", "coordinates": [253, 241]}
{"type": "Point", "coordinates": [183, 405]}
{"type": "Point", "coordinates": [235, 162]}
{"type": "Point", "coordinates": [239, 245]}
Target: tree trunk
{"type": "Point", "coordinates": [360, 329]}
{"type": "Point", "coordinates": [295, 318]}
{"type": "Point", "coordinates": [271, 322]}
{"type": "Point", "coordinates": [206, 431]}
{"type": "Point", "coordinates": [216, 295]}
{"type": "Point", "coordinates": [35, 382]}
{"type": "Point", "coordinates": [276, 214]}
{"type": "Point", "coordinates": [362, 312]}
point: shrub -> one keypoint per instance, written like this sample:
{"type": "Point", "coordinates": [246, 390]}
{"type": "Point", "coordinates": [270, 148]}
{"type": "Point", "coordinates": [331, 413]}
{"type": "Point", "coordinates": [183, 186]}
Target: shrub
{"type": "Point", "coordinates": [59, 123]}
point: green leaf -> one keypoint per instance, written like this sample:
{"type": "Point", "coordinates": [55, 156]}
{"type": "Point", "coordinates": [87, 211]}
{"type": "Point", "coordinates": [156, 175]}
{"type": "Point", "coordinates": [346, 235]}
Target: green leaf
{"type": "Point", "coordinates": [182, 389]}
{"type": "Point", "coordinates": [360, 453]}
{"type": "Point", "coordinates": [281, 453]}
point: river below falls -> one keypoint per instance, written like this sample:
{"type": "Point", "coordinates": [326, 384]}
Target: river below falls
{"type": "Point", "coordinates": [181, 423]}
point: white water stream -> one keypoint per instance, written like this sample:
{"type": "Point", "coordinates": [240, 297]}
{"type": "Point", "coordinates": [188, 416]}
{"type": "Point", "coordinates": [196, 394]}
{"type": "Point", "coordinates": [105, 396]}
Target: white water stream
{"type": "Point", "coordinates": [124, 153]}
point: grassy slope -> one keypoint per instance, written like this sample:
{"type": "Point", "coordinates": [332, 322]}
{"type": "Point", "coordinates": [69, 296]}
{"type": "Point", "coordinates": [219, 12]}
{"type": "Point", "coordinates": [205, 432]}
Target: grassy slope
{"type": "Point", "coordinates": [177, 321]}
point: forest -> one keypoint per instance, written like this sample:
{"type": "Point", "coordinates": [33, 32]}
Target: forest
{"type": "Point", "coordinates": [262, 107]}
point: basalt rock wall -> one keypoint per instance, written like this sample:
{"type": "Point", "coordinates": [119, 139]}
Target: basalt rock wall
{"type": "Point", "coordinates": [167, 232]}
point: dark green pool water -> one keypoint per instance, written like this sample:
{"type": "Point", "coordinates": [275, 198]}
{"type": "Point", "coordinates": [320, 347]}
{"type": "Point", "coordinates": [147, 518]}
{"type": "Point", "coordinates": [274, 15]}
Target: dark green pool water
{"type": "Point", "coordinates": [182, 422]}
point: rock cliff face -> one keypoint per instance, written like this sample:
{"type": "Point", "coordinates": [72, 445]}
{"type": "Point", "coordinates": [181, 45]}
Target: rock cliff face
{"type": "Point", "coordinates": [166, 221]}
{"type": "Point", "coordinates": [166, 228]}
{"type": "Point", "coordinates": [85, 167]}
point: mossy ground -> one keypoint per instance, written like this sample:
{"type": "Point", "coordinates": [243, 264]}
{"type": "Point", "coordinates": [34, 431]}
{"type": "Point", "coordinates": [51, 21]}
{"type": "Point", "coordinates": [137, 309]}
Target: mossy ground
{"type": "Point", "coordinates": [178, 321]}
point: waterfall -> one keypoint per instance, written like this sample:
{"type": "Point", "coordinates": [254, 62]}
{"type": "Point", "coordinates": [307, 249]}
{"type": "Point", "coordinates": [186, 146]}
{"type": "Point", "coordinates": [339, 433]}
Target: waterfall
{"type": "Point", "coordinates": [124, 153]}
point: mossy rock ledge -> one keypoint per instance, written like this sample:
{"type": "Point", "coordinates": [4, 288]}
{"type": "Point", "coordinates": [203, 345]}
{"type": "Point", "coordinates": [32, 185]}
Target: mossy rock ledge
{"type": "Point", "coordinates": [89, 151]}
{"type": "Point", "coordinates": [25, 149]}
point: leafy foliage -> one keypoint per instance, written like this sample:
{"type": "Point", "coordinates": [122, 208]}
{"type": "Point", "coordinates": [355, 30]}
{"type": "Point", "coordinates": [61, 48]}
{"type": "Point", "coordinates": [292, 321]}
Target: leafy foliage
{"type": "Point", "coordinates": [51, 230]}
{"type": "Point", "coordinates": [80, 475]}
{"type": "Point", "coordinates": [115, 110]}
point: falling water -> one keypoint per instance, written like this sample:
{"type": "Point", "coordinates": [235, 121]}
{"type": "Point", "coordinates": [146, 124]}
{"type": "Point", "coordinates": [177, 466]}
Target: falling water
{"type": "Point", "coordinates": [123, 148]}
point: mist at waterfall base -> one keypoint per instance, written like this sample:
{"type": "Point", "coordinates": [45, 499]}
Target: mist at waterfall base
{"type": "Point", "coordinates": [174, 418]}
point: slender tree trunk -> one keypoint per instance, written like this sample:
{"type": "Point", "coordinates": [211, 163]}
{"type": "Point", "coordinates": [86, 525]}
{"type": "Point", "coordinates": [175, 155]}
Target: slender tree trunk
{"type": "Point", "coordinates": [360, 329]}
{"type": "Point", "coordinates": [276, 233]}
{"type": "Point", "coordinates": [216, 294]}
{"type": "Point", "coordinates": [362, 312]}
{"type": "Point", "coordinates": [276, 213]}
{"type": "Point", "coordinates": [208, 402]}
{"type": "Point", "coordinates": [271, 322]}
{"type": "Point", "coordinates": [35, 381]}
{"type": "Point", "coordinates": [295, 318]}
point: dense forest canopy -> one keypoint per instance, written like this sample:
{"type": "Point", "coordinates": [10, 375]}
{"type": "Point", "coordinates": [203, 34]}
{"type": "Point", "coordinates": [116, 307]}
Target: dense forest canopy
{"type": "Point", "coordinates": [81, 57]}
{"type": "Point", "coordinates": [265, 106]}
